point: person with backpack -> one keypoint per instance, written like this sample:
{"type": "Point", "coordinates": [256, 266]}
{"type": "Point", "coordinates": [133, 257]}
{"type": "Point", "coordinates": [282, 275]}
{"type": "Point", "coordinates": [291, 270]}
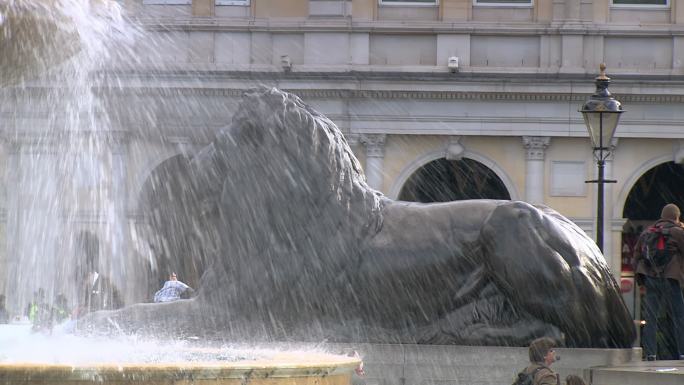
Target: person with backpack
{"type": "Point", "coordinates": [659, 265]}
{"type": "Point", "coordinates": [542, 355]}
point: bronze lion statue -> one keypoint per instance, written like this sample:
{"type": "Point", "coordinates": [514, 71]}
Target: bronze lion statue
{"type": "Point", "coordinates": [302, 249]}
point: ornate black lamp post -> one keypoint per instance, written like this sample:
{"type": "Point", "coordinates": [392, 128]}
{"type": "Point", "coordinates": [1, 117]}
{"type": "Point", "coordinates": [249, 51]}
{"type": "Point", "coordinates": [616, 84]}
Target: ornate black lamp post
{"type": "Point", "coordinates": [601, 114]}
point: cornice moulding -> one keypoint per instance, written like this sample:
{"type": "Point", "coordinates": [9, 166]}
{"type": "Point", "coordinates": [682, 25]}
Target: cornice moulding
{"type": "Point", "coordinates": [363, 94]}
{"type": "Point", "coordinates": [403, 26]}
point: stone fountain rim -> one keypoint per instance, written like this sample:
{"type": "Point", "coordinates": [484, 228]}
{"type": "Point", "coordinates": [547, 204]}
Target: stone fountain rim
{"type": "Point", "coordinates": [291, 365]}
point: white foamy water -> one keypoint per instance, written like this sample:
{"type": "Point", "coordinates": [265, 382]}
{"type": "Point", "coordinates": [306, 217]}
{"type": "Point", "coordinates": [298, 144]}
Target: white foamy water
{"type": "Point", "coordinates": [19, 344]}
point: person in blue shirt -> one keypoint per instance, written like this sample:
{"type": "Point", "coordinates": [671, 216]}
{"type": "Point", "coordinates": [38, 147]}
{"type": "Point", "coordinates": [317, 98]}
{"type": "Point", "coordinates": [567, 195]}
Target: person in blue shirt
{"type": "Point", "coordinates": [173, 290]}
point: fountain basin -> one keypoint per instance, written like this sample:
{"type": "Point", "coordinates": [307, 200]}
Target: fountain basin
{"type": "Point", "coordinates": [284, 369]}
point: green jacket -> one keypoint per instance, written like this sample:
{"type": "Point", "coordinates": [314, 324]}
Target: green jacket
{"type": "Point", "coordinates": [544, 376]}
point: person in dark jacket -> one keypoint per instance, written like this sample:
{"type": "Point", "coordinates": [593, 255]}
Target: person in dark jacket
{"type": "Point", "coordinates": [100, 294]}
{"type": "Point", "coordinates": [663, 285]}
{"type": "Point", "coordinates": [542, 354]}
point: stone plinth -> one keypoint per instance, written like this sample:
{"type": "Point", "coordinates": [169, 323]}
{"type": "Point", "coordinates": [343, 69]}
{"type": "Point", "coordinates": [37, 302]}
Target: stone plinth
{"type": "Point", "coordinates": [639, 373]}
{"type": "Point", "coordinates": [481, 365]}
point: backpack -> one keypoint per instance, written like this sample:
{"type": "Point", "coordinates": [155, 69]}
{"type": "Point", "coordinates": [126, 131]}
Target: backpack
{"type": "Point", "coordinates": [654, 248]}
{"type": "Point", "coordinates": [527, 378]}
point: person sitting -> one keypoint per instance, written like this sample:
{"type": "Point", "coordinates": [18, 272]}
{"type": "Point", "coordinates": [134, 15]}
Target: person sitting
{"type": "Point", "coordinates": [173, 290]}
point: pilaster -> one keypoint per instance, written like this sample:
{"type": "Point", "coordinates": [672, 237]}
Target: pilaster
{"type": "Point", "coordinates": [677, 9]}
{"type": "Point", "coordinates": [281, 8]}
{"type": "Point", "coordinates": [679, 152]}
{"type": "Point", "coordinates": [572, 10]}
{"type": "Point", "coordinates": [543, 11]}
{"type": "Point", "coordinates": [203, 8]}
{"type": "Point", "coordinates": [375, 157]}
{"type": "Point", "coordinates": [12, 181]}
{"type": "Point", "coordinates": [456, 10]}
{"type": "Point", "coordinates": [353, 139]}
{"type": "Point", "coordinates": [601, 12]}
{"type": "Point", "coordinates": [535, 147]}
{"type": "Point", "coordinates": [119, 199]}
{"type": "Point", "coordinates": [564, 11]}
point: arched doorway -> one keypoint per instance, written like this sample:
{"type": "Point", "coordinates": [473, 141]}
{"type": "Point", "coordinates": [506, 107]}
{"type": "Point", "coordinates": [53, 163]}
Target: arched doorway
{"type": "Point", "coordinates": [444, 180]}
{"type": "Point", "coordinates": [657, 187]}
{"type": "Point", "coordinates": [168, 203]}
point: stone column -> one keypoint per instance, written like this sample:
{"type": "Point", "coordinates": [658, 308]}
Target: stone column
{"type": "Point", "coordinates": [12, 193]}
{"type": "Point", "coordinates": [535, 147]}
{"type": "Point", "coordinates": [34, 220]}
{"type": "Point", "coordinates": [119, 221]}
{"type": "Point", "coordinates": [375, 156]}
{"type": "Point", "coordinates": [679, 152]}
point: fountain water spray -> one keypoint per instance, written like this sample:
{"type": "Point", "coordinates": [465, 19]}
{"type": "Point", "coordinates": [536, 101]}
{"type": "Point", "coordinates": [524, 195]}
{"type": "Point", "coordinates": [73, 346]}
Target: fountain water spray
{"type": "Point", "coordinates": [65, 166]}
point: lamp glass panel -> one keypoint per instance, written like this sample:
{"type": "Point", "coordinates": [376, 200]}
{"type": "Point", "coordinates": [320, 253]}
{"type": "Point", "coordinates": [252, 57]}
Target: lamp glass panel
{"type": "Point", "coordinates": [601, 134]}
{"type": "Point", "coordinates": [591, 120]}
{"type": "Point", "coordinates": [610, 122]}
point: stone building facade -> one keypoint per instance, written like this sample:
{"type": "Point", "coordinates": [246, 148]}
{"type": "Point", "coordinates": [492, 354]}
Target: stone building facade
{"type": "Point", "coordinates": [417, 82]}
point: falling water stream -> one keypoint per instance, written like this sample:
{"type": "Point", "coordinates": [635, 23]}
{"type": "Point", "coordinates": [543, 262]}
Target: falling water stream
{"type": "Point", "coordinates": [66, 178]}
{"type": "Point", "coordinates": [63, 164]}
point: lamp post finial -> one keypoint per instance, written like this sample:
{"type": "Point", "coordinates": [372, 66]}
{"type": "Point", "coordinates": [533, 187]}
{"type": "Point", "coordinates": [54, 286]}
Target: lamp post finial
{"type": "Point", "coordinates": [602, 73]}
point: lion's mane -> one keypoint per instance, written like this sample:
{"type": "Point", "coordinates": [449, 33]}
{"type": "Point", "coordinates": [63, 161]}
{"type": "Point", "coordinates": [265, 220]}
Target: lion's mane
{"type": "Point", "coordinates": [293, 202]}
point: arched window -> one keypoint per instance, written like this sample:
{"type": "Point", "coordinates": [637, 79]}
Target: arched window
{"type": "Point", "coordinates": [445, 180]}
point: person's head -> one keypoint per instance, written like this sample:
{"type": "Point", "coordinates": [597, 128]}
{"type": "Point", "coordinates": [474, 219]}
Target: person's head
{"type": "Point", "coordinates": [542, 350]}
{"type": "Point", "coordinates": [574, 380]}
{"type": "Point", "coordinates": [173, 277]}
{"type": "Point", "coordinates": [670, 212]}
